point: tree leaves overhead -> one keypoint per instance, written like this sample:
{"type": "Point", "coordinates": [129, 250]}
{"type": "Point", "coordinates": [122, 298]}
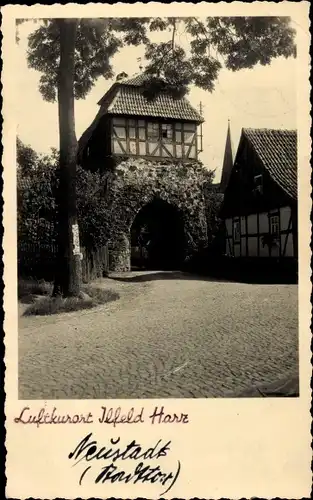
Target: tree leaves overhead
{"type": "Point", "coordinates": [234, 42]}
{"type": "Point", "coordinates": [94, 48]}
{"type": "Point", "coordinates": [169, 70]}
{"type": "Point", "coordinates": [247, 41]}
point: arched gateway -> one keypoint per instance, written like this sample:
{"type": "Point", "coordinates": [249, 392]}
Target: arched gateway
{"type": "Point", "coordinates": [155, 205]}
{"type": "Point", "coordinates": [158, 237]}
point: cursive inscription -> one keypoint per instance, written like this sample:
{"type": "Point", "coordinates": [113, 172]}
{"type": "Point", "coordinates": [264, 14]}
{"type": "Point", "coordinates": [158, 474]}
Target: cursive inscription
{"type": "Point", "coordinates": [158, 416]}
{"type": "Point", "coordinates": [89, 451]}
{"type": "Point", "coordinates": [45, 417]}
{"type": "Point", "coordinates": [111, 416]}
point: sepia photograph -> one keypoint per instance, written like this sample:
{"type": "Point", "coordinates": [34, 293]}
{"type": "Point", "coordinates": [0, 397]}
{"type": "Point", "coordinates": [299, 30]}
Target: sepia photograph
{"type": "Point", "coordinates": [156, 248]}
{"type": "Point", "coordinates": [157, 207]}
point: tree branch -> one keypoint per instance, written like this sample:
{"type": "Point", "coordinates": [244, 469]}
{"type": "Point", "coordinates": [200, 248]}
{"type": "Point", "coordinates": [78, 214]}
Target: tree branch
{"type": "Point", "coordinates": [173, 35]}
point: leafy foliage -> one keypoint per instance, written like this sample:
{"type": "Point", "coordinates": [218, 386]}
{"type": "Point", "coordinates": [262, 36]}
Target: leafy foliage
{"type": "Point", "coordinates": [238, 42]}
{"type": "Point", "coordinates": [235, 42]}
{"type": "Point", "coordinates": [94, 48]}
{"type": "Point", "coordinates": [36, 195]}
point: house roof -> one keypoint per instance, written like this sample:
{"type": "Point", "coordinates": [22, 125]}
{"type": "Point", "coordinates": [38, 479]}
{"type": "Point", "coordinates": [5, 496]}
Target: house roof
{"type": "Point", "coordinates": [130, 101]}
{"type": "Point", "coordinates": [137, 80]}
{"type": "Point", "coordinates": [126, 98]}
{"type": "Point", "coordinates": [277, 150]}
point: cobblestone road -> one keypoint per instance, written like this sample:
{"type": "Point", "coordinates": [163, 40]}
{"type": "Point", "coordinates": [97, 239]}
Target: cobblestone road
{"type": "Point", "coordinates": [173, 337]}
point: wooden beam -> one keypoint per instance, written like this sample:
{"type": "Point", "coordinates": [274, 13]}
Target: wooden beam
{"type": "Point", "coordinates": [287, 235]}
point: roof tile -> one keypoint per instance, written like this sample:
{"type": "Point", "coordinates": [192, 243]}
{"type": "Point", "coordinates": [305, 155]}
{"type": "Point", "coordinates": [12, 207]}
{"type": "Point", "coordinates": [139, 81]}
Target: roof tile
{"type": "Point", "coordinates": [129, 100]}
{"type": "Point", "coordinates": [277, 150]}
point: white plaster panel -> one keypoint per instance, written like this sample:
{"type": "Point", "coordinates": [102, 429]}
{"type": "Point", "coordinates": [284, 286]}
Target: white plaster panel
{"type": "Point", "coordinates": [252, 223]}
{"type": "Point", "coordinates": [228, 248]}
{"type": "Point", "coordinates": [263, 222]}
{"type": "Point", "coordinates": [289, 246]}
{"type": "Point", "coordinates": [243, 247]}
{"type": "Point", "coordinates": [284, 218]}
{"type": "Point", "coordinates": [229, 226]}
{"type": "Point", "coordinates": [237, 250]}
{"type": "Point", "coordinates": [253, 246]}
{"type": "Point", "coordinates": [243, 225]}
{"type": "Point", "coordinates": [264, 251]}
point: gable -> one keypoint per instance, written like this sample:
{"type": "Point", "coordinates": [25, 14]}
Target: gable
{"type": "Point", "coordinates": [242, 195]}
{"type": "Point", "coordinates": [277, 151]}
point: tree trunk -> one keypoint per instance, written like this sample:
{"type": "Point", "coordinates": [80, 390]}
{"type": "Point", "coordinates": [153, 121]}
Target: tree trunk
{"type": "Point", "coordinates": [68, 275]}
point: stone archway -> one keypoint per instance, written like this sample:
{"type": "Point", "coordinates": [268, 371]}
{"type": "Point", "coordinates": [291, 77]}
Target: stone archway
{"type": "Point", "coordinates": [158, 237]}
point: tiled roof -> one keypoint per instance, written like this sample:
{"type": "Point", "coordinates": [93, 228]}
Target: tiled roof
{"type": "Point", "coordinates": [277, 150]}
{"type": "Point", "coordinates": [137, 80]}
{"type": "Point", "coordinates": [129, 100]}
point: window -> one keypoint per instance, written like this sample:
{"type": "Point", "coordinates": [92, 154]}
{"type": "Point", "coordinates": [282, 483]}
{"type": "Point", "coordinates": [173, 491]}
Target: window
{"type": "Point", "coordinates": [191, 127]}
{"type": "Point", "coordinates": [178, 136]}
{"type": "Point", "coordinates": [132, 132]}
{"type": "Point", "coordinates": [236, 230]}
{"type": "Point", "coordinates": [167, 131]}
{"type": "Point", "coordinates": [153, 131]}
{"type": "Point", "coordinates": [274, 225]}
{"type": "Point", "coordinates": [119, 121]}
{"type": "Point", "coordinates": [142, 134]}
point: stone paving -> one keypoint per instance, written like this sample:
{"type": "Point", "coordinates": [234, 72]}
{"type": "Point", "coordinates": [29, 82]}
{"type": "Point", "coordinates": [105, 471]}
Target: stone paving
{"type": "Point", "coordinates": [175, 336]}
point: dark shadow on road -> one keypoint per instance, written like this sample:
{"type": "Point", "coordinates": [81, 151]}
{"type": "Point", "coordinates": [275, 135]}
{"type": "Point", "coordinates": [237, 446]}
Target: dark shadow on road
{"type": "Point", "coordinates": [158, 275]}
{"type": "Point", "coordinates": [183, 275]}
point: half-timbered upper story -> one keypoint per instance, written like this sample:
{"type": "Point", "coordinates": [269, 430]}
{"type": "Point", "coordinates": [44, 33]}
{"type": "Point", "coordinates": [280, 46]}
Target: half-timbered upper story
{"type": "Point", "coordinates": [260, 201]}
{"type": "Point", "coordinates": [128, 124]}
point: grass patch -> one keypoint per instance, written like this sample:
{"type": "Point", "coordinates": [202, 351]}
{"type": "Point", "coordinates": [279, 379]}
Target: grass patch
{"type": "Point", "coordinates": [27, 289]}
{"type": "Point", "coordinates": [91, 297]}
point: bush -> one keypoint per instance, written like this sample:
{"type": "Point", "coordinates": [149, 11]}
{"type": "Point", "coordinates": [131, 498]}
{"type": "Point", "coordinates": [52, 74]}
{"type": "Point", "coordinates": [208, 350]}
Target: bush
{"type": "Point", "coordinates": [92, 297]}
{"type": "Point", "coordinates": [28, 288]}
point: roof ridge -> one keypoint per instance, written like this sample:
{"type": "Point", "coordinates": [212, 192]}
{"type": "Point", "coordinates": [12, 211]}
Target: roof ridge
{"type": "Point", "coordinates": [264, 129]}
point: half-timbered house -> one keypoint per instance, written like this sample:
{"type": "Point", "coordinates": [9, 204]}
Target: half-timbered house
{"type": "Point", "coordinates": [128, 124]}
{"type": "Point", "coordinates": [260, 201]}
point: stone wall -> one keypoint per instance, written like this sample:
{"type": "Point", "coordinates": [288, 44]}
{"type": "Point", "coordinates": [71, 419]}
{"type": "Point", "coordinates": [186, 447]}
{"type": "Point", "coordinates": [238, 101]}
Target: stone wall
{"type": "Point", "coordinates": [136, 182]}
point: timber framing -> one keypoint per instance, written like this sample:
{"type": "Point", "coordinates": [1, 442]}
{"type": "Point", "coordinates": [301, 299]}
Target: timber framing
{"type": "Point", "coordinates": [268, 216]}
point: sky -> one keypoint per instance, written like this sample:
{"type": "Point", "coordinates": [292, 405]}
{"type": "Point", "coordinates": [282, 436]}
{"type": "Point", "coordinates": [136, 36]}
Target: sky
{"type": "Point", "coordinates": [262, 97]}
